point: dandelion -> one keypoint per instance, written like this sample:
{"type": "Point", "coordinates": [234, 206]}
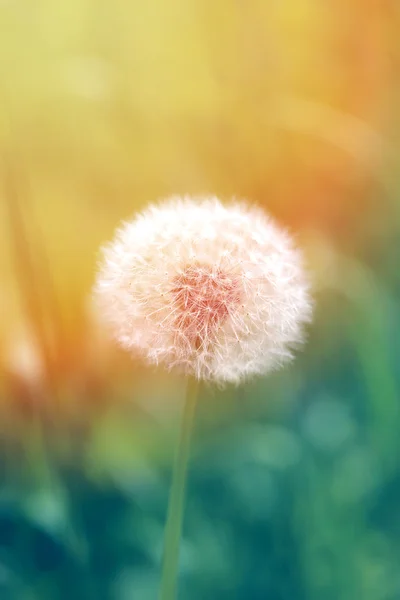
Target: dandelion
{"type": "Point", "coordinates": [215, 291]}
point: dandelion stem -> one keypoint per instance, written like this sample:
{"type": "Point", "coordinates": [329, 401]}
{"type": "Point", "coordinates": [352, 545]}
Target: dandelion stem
{"type": "Point", "coordinates": [177, 496]}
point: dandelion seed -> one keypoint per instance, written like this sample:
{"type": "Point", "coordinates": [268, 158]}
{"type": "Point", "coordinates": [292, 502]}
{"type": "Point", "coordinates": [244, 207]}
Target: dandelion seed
{"type": "Point", "coordinates": [217, 291]}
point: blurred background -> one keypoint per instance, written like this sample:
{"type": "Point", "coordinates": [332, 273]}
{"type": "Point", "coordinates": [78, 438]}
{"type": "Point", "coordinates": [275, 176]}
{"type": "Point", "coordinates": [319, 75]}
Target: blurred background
{"type": "Point", "coordinates": [294, 487]}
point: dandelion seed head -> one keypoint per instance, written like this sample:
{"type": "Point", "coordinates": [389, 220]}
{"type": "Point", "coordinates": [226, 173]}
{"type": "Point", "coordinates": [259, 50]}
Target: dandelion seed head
{"type": "Point", "coordinates": [217, 291]}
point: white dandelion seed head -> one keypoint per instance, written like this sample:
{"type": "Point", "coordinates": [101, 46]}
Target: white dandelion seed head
{"type": "Point", "coordinates": [217, 291]}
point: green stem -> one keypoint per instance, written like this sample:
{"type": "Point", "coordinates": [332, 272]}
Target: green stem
{"type": "Point", "coordinates": [177, 497]}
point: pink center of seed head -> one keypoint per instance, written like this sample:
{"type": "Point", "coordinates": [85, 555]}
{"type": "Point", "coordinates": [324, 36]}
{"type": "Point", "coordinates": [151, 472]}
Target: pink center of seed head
{"type": "Point", "coordinates": [204, 297]}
